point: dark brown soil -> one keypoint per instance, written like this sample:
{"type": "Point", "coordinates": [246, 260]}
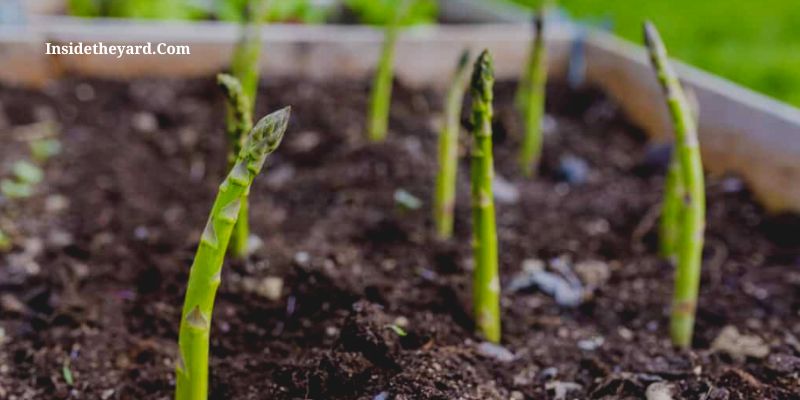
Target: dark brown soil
{"type": "Point", "coordinates": [94, 284]}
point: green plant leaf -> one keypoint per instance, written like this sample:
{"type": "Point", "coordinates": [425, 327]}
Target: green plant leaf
{"type": "Point", "coordinates": [27, 172]}
{"type": "Point", "coordinates": [380, 12]}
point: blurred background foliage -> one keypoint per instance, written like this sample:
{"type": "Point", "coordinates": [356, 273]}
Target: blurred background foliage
{"type": "Point", "coordinates": [752, 42]}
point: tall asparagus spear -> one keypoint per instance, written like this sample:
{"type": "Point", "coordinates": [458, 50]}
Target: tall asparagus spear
{"type": "Point", "coordinates": [245, 68]}
{"type": "Point", "coordinates": [204, 277]}
{"type": "Point", "coordinates": [692, 216]}
{"type": "Point", "coordinates": [531, 97]}
{"type": "Point", "coordinates": [486, 283]}
{"type": "Point", "coordinates": [445, 196]}
{"type": "Point", "coordinates": [381, 96]}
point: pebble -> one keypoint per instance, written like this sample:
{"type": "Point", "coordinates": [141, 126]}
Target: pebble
{"type": "Point", "coordinates": [381, 396]}
{"type": "Point", "coordinates": [332, 331]}
{"type": "Point", "coordinates": [593, 273]}
{"type": "Point", "coordinates": [59, 238]}
{"type": "Point", "coordinates": [565, 287]}
{"type": "Point", "coordinates": [302, 258]}
{"type": "Point", "coordinates": [591, 344]}
{"type": "Point", "coordinates": [144, 122]}
{"type": "Point", "coordinates": [549, 125]}
{"type": "Point", "coordinates": [11, 304]}
{"type": "Point", "coordinates": [84, 92]}
{"type": "Point", "coordinates": [573, 170]}
{"type": "Point", "coordinates": [561, 389]}
{"type": "Point", "coordinates": [732, 184]}
{"type": "Point", "coordinates": [141, 233]}
{"type": "Point", "coordinates": [496, 352]}
{"type": "Point", "coordinates": [738, 345]}
{"type": "Point", "coordinates": [56, 203]}
{"type": "Point", "coordinates": [659, 391]}
{"type": "Point", "coordinates": [504, 191]}
{"type": "Point", "coordinates": [784, 363]}
{"type": "Point", "coordinates": [305, 141]}
{"type": "Point", "coordinates": [407, 200]}
{"type": "Point", "coordinates": [270, 288]}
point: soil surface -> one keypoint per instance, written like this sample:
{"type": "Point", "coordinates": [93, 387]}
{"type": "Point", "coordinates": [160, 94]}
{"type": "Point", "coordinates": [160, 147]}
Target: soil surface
{"type": "Point", "coordinates": [92, 290]}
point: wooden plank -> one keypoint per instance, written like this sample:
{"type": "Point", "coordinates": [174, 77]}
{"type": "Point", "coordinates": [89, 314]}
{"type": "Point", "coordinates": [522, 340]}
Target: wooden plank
{"type": "Point", "coordinates": [425, 55]}
{"type": "Point", "coordinates": [741, 131]}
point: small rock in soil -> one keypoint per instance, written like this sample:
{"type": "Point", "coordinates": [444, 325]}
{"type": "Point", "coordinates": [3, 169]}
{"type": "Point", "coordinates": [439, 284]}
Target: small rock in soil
{"type": "Point", "coordinates": [270, 287]}
{"type": "Point", "coordinates": [55, 204]}
{"type": "Point", "coordinates": [566, 290]}
{"type": "Point", "coordinates": [659, 391]}
{"type": "Point", "coordinates": [573, 170]}
{"type": "Point", "coordinates": [783, 363]}
{"type": "Point", "coordinates": [495, 351]}
{"type": "Point", "coordinates": [406, 200]}
{"type": "Point", "coordinates": [11, 304]}
{"type": "Point", "coordinates": [504, 191]}
{"type": "Point", "coordinates": [304, 142]}
{"type": "Point", "coordinates": [593, 273]}
{"type": "Point", "coordinates": [591, 344]}
{"type": "Point", "coordinates": [739, 346]}
{"type": "Point", "coordinates": [144, 122]}
{"type": "Point", "coordinates": [561, 389]}
{"type": "Point", "coordinates": [381, 396]}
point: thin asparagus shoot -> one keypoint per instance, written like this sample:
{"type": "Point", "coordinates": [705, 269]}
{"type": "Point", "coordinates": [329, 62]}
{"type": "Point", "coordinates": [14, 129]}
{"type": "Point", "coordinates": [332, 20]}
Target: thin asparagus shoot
{"type": "Point", "coordinates": [671, 207]}
{"type": "Point", "coordinates": [381, 96]}
{"type": "Point", "coordinates": [204, 277]}
{"type": "Point", "coordinates": [445, 195]}
{"type": "Point", "coordinates": [239, 123]}
{"type": "Point", "coordinates": [244, 68]}
{"type": "Point", "coordinates": [531, 98]}
{"type": "Point", "coordinates": [486, 282]}
{"type": "Point", "coordinates": [689, 243]}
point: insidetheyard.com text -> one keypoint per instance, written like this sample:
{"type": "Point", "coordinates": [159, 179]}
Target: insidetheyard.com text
{"type": "Point", "coordinates": [116, 50]}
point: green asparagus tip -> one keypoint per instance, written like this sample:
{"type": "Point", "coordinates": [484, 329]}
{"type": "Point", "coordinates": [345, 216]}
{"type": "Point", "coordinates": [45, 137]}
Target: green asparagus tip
{"type": "Point", "coordinates": [229, 84]}
{"type": "Point", "coordinates": [653, 39]}
{"type": "Point", "coordinates": [483, 77]}
{"type": "Point", "coordinates": [267, 133]}
{"type": "Point", "coordinates": [462, 62]}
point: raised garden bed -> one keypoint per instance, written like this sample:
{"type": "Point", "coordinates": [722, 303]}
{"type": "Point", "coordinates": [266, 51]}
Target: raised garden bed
{"type": "Point", "coordinates": [96, 285]}
{"type": "Point", "coordinates": [350, 295]}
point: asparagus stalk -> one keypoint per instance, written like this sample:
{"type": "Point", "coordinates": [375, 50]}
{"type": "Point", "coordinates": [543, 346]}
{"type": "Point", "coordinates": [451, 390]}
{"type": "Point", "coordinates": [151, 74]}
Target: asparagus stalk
{"type": "Point", "coordinates": [239, 123]}
{"type": "Point", "coordinates": [204, 277]}
{"type": "Point", "coordinates": [244, 68]}
{"type": "Point", "coordinates": [486, 283]}
{"type": "Point", "coordinates": [5, 242]}
{"type": "Point", "coordinates": [531, 98]}
{"type": "Point", "coordinates": [445, 196]}
{"type": "Point", "coordinates": [671, 207]}
{"type": "Point", "coordinates": [692, 216]}
{"type": "Point", "coordinates": [381, 96]}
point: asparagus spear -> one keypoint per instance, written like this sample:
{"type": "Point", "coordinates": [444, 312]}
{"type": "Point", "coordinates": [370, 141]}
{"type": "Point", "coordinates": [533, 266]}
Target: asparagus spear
{"type": "Point", "coordinates": [531, 98]}
{"type": "Point", "coordinates": [692, 216]}
{"type": "Point", "coordinates": [5, 242]}
{"type": "Point", "coordinates": [245, 68]}
{"type": "Point", "coordinates": [204, 277]}
{"type": "Point", "coordinates": [445, 196]}
{"type": "Point", "coordinates": [381, 96]}
{"type": "Point", "coordinates": [239, 123]}
{"type": "Point", "coordinates": [486, 283]}
{"type": "Point", "coordinates": [671, 207]}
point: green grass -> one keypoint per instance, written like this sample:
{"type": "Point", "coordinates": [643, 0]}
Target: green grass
{"type": "Point", "coordinates": [754, 43]}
